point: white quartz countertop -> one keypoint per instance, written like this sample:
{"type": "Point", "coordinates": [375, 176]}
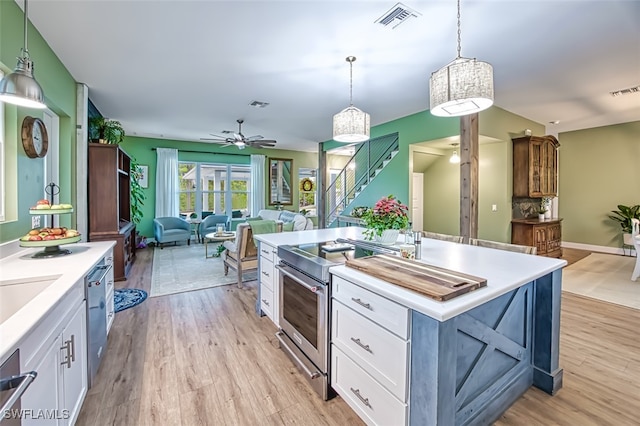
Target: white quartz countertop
{"type": "Point", "coordinates": [503, 270]}
{"type": "Point", "coordinates": [65, 270]}
{"type": "Point", "coordinates": [310, 236]}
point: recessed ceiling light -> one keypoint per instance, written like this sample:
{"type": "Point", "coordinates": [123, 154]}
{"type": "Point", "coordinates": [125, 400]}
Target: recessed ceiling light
{"type": "Point", "coordinates": [554, 122]}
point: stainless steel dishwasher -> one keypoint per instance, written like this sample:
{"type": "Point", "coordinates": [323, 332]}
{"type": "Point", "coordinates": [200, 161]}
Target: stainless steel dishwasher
{"type": "Point", "coordinates": [95, 292]}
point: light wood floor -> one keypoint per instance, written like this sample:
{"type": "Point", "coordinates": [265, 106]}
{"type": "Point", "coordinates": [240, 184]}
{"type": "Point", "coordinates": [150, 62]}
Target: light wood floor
{"type": "Point", "coordinates": [205, 358]}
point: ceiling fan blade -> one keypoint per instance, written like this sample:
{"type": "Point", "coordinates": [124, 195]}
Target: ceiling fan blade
{"type": "Point", "coordinates": [255, 138]}
{"type": "Point", "coordinates": [264, 141]}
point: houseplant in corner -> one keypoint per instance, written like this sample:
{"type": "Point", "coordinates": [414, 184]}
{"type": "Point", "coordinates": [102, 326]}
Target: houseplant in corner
{"type": "Point", "coordinates": [385, 220]}
{"type": "Point", "coordinates": [623, 216]}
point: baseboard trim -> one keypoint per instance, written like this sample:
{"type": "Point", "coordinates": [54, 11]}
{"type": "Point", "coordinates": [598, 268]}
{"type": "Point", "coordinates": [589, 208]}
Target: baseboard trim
{"type": "Point", "coordinates": [600, 249]}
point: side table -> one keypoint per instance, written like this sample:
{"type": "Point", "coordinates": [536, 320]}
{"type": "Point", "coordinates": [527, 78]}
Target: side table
{"type": "Point", "coordinates": [214, 237]}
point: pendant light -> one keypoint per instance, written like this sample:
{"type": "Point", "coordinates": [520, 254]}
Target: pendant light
{"type": "Point", "coordinates": [20, 87]}
{"type": "Point", "coordinates": [455, 158]}
{"type": "Point", "coordinates": [351, 124]}
{"type": "Point", "coordinates": [462, 87]}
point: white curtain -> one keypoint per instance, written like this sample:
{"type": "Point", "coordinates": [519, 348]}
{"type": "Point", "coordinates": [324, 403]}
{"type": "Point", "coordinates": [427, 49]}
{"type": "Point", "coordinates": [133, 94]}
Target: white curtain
{"type": "Point", "coordinates": [257, 183]}
{"type": "Point", "coordinates": [167, 183]}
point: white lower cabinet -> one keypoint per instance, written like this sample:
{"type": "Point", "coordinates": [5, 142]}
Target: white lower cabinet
{"type": "Point", "coordinates": [268, 280]}
{"type": "Point", "coordinates": [370, 351]}
{"type": "Point", "coordinates": [56, 395]}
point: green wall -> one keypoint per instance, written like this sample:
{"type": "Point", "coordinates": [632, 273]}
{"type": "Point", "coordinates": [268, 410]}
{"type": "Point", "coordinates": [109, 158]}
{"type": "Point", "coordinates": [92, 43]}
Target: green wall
{"type": "Point", "coordinates": [24, 181]}
{"type": "Point", "coordinates": [142, 150]}
{"type": "Point", "coordinates": [599, 169]}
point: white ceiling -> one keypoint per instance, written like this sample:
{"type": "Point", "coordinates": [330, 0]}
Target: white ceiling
{"type": "Point", "coordinates": [185, 69]}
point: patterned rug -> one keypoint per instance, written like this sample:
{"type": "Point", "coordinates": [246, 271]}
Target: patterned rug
{"type": "Point", "coordinates": [126, 298]}
{"type": "Point", "coordinates": [181, 268]}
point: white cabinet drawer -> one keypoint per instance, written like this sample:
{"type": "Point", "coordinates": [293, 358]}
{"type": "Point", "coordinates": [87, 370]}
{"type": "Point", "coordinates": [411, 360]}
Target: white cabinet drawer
{"type": "Point", "coordinates": [381, 353]}
{"type": "Point", "coordinates": [267, 272]}
{"type": "Point", "coordinates": [380, 310]}
{"type": "Point", "coordinates": [266, 301]}
{"type": "Point", "coordinates": [373, 403]}
{"type": "Point", "coordinates": [267, 251]}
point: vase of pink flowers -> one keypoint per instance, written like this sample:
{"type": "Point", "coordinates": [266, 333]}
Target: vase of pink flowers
{"type": "Point", "coordinates": [385, 220]}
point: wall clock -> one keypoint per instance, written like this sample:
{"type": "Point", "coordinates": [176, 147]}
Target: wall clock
{"type": "Point", "coordinates": [35, 140]}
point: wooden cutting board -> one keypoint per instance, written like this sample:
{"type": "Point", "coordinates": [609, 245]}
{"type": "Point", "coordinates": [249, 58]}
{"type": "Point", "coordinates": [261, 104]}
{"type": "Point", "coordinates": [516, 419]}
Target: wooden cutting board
{"type": "Point", "coordinates": [438, 283]}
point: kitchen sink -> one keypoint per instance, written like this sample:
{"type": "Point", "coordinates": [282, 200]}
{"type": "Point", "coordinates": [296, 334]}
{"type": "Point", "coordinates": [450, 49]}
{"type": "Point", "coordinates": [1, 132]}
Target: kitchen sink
{"type": "Point", "coordinates": [14, 294]}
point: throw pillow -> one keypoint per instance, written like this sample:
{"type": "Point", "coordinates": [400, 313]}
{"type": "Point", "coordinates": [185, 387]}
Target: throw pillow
{"type": "Point", "coordinates": [287, 226]}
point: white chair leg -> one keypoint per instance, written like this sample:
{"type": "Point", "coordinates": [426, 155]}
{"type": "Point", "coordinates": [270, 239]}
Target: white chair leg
{"type": "Point", "coordinates": [636, 270]}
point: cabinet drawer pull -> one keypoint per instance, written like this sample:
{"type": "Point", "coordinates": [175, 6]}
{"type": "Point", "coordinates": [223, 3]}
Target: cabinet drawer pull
{"type": "Point", "coordinates": [265, 274]}
{"type": "Point", "coordinates": [265, 302]}
{"type": "Point", "coordinates": [363, 346]}
{"type": "Point", "coordinates": [264, 251]}
{"type": "Point", "coordinates": [361, 303]}
{"type": "Point", "coordinates": [365, 401]}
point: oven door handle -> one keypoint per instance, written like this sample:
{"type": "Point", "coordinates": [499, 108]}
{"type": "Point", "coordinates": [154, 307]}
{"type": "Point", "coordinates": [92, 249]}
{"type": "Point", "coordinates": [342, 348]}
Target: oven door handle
{"type": "Point", "coordinates": [311, 288]}
{"type": "Point", "coordinates": [20, 384]}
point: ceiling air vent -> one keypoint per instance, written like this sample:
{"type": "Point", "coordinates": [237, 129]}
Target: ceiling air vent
{"type": "Point", "coordinates": [397, 15]}
{"type": "Point", "coordinates": [258, 104]}
{"type": "Point", "coordinates": [628, 91]}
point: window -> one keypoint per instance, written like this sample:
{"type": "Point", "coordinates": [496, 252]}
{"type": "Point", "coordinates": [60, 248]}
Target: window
{"type": "Point", "coordinates": [207, 188]}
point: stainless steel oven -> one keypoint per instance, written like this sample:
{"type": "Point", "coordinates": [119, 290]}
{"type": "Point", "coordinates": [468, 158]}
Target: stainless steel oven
{"type": "Point", "coordinates": [304, 310]}
{"type": "Point", "coordinates": [304, 288]}
{"type": "Point", "coordinates": [12, 386]}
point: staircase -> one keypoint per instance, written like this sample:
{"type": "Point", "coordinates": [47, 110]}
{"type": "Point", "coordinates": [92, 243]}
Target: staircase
{"type": "Point", "coordinates": [361, 169]}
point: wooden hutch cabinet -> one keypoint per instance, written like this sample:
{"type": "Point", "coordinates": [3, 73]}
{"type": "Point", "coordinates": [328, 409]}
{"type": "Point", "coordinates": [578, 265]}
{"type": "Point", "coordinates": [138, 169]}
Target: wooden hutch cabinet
{"type": "Point", "coordinates": [535, 166]}
{"type": "Point", "coordinates": [545, 235]}
{"type": "Point", "coordinates": [109, 194]}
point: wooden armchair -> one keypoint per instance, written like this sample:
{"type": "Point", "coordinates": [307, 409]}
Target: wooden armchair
{"type": "Point", "coordinates": [442, 237]}
{"type": "Point", "coordinates": [503, 246]}
{"type": "Point", "coordinates": [241, 255]}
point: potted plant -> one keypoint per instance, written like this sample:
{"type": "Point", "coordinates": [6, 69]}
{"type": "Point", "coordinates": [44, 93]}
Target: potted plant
{"type": "Point", "coordinates": [623, 216]}
{"type": "Point", "coordinates": [137, 194]}
{"type": "Point", "coordinates": [542, 209]}
{"type": "Point", "coordinates": [105, 130]}
{"type": "Point", "coordinates": [385, 220]}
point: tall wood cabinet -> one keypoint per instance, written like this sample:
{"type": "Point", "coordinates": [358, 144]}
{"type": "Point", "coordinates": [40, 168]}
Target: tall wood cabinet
{"type": "Point", "coordinates": [535, 166]}
{"type": "Point", "coordinates": [109, 194]}
{"type": "Point", "coordinates": [545, 235]}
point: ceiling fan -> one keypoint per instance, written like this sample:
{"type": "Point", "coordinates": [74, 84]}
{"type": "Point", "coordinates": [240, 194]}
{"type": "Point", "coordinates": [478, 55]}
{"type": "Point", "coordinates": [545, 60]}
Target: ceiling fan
{"type": "Point", "coordinates": [240, 140]}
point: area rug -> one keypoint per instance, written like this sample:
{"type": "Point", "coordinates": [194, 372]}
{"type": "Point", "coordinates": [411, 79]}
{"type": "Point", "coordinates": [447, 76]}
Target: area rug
{"type": "Point", "coordinates": [181, 268]}
{"type": "Point", "coordinates": [605, 277]}
{"type": "Point", "coordinates": [125, 298]}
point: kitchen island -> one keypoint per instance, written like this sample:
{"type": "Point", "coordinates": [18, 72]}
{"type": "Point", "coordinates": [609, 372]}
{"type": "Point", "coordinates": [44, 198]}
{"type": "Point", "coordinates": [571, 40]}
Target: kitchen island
{"type": "Point", "coordinates": [463, 361]}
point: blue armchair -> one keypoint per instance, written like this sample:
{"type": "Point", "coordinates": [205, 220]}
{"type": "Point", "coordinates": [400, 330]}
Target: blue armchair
{"type": "Point", "coordinates": [171, 230]}
{"type": "Point", "coordinates": [210, 223]}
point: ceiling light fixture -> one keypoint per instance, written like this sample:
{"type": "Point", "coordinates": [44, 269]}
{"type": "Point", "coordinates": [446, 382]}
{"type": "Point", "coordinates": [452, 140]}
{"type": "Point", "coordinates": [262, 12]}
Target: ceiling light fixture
{"type": "Point", "coordinates": [351, 124]}
{"type": "Point", "coordinates": [455, 158]}
{"type": "Point", "coordinates": [20, 87]}
{"type": "Point", "coordinates": [462, 87]}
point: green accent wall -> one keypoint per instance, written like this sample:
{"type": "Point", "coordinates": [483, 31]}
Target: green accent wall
{"type": "Point", "coordinates": [142, 150]}
{"type": "Point", "coordinates": [599, 169]}
{"type": "Point", "coordinates": [24, 180]}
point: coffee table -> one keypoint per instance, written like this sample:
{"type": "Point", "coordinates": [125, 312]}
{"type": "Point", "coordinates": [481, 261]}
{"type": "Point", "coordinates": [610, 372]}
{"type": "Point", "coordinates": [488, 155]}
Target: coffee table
{"type": "Point", "coordinates": [214, 237]}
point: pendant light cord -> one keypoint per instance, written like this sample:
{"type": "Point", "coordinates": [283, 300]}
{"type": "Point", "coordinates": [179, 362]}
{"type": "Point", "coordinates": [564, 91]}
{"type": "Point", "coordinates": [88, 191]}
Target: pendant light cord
{"type": "Point", "coordinates": [25, 49]}
{"type": "Point", "coordinates": [351, 59]}
{"type": "Point", "coordinates": [459, 37]}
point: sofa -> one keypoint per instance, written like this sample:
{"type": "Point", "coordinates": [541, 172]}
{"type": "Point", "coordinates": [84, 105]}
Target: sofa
{"type": "Point", "coordinates": [300, 222]}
